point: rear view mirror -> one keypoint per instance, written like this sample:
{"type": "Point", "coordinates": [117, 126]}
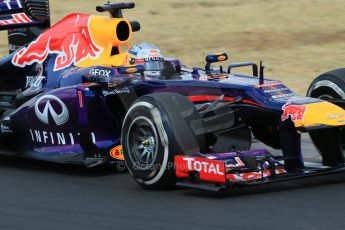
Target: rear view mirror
{"type": "Point", "coordinates": [131, 69]}
{"type": "Point", "coordinates": [212, 58]}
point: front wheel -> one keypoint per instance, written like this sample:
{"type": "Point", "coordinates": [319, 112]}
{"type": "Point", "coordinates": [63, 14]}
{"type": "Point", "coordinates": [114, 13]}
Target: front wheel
{"type": "Point", "coordinates": [328, 86]}
{"type": "Point", "coordinates": [330, 143]}
{"type": "Point", "coordinates": [156, 128]}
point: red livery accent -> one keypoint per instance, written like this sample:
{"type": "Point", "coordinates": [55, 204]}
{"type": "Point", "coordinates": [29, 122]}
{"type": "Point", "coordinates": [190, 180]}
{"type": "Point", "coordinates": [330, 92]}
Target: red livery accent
{"type": "Point", "coordinates": [80, 95]}
{"type": "Point", "coordinates": [209, 170]}
{"type": "Point", "coordinates": [250, 176]}
{"type": "Point", "coordinates": [70, 40]}
{"type": "Point", "coordinates": [296, 112]}
{"type": "Point", "coordinates": [197, 98]}
{"type": "Point", "coordinates": [239, 163]}
{"type": "Point", "coordinates": [16, 19]}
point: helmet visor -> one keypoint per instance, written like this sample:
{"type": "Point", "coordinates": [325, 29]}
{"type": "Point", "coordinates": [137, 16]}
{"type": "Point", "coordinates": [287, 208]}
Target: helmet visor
{"type": "Point", "coordinates": [154, 65]}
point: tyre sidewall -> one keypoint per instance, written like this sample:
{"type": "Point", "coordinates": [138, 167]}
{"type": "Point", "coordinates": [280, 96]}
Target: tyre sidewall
{"type": "Point", "coordinates": [330, 85]}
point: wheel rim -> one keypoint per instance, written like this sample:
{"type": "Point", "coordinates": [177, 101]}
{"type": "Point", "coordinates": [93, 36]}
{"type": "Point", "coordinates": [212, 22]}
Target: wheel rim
{"type": "Point", "coordinates": [142, 142]}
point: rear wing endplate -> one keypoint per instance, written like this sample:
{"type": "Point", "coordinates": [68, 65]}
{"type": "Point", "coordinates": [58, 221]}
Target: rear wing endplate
{"type": "Point", "coordinates": [24, 20]}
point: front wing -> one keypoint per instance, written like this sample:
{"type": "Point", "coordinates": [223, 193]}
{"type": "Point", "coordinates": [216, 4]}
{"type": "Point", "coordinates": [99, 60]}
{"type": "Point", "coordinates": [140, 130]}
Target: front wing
{"type": "Point", "coordinates": [225, 171]}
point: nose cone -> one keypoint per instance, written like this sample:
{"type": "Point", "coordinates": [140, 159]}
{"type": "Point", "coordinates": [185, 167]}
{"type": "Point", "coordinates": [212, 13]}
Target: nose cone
{"type": "Point", "coordinates": [314, 114]}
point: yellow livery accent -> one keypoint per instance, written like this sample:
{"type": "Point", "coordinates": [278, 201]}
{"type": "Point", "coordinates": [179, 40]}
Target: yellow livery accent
{"type": "Point", "coordinates": [131, 70]}
{"type": "Point", "coordinates": [221, 58]}
{"type": "Point", "coordinates": [109, 34]}
{"type": "Point", "coordinates": [117, 153]}
{"type": "Point", "coordinates": [321, 113]}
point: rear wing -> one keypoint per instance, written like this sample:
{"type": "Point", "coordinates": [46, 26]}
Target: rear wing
{"type": "Point", "coordinates": [24, 19]}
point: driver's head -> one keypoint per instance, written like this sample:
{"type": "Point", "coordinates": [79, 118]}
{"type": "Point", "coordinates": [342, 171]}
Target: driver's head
{"type": "Point", "coordinates": [148, 55]}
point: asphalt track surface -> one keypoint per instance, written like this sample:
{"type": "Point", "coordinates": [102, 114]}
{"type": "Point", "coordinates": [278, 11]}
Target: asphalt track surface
{"type": "Point", "coordinates": [38, 195]}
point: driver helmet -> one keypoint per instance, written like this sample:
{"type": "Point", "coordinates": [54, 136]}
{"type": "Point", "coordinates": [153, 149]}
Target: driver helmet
{"type": "Point", "coordinates": [150, 56]}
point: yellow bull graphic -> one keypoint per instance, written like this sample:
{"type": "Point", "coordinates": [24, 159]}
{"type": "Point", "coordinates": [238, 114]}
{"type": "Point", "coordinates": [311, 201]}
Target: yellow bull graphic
{"type": "Point", "coordinates": [319, 113]}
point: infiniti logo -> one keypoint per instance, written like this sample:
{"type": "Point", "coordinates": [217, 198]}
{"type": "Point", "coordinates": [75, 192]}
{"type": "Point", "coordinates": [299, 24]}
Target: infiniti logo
{"type": "Point", "coordinates": [59, 118]}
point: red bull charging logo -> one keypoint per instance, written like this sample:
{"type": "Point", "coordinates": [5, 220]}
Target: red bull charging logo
{"type": "Point", "coordinates": [295, 112]}
{"type": "Point", "coordinates": [70, 40]}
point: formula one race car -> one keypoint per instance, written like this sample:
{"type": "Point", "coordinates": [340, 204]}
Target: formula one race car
{"type": "Point", "coordinates": [72, 93]}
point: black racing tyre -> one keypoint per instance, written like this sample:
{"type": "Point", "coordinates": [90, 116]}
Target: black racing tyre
{"type": "Point", "coordinates": [329, 86]}
{"type": "Point", "coordinates": [156, 128]}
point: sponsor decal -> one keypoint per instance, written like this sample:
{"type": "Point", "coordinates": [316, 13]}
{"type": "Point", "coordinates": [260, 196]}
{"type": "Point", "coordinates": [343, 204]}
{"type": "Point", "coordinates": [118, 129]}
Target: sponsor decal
{"type": "Point", "coordinates": [136, 61]}
{"type": "Point", "coordinates": [283, 96]}
{"type": "Point", "coordinates": [121, 91]}
{"type": "Point", "coordinates": [70, 40]}
{"type": "Point", "coordinates": [238, 163]}
{"type": "Point", "coordinates": [59, 114]}
{"type": "Point", "coordinates": [334, 116]}
{"type": "Point", "coordinates": [34, 81]}
{"type": "Point", "coordinates": [268, 84]}
{"type": "Point", "coordinates": [36, 78]}
{"type": "Point", "coordinates": [295, 112]}
{"type": "Point", "coordinates": [117, 153]}
{"type": "Point", "coordinates": [209, 170]}
{"type": "Point", "coordinates": [117, 91]}
{"type": "Point", "coordinates": [100, 72]}
{"type": "Point", "coordinates": [30, 80]}
{"type": "Point", "coordinates": [6, 129]}
{"type": "Point", "coordinates": [55, 138]}
{"type": "Point", "coordinates": [202, 166]}
{"type": "Point", "coordinates": [276, 90]}
{"type": "Point", "coordinates": [148, 59]}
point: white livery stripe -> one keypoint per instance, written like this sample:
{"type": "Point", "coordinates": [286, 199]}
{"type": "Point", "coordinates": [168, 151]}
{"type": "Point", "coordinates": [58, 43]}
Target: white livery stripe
{"type": "Point", "coordinates": [19, 3]}
{"type": "Point", "coordinates": [314, 165]}
{"type": "Point", "coordinates": [8, 4]}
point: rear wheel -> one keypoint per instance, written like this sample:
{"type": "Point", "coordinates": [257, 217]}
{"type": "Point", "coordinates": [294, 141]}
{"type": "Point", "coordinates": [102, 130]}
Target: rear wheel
{"type": "Point", "coordinates": [156, 128]}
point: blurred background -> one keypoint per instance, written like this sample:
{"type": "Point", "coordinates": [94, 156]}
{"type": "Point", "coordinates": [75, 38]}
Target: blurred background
{"type": "Point", "coordinates": [296, 39]}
